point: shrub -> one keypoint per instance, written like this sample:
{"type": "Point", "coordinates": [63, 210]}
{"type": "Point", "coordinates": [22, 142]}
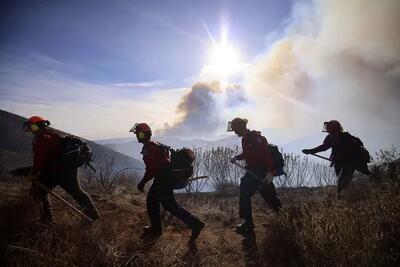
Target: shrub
{"type": "Point", "coordinates": [338, 233]}
{"type": "Point", "coordinates": [386, 165]}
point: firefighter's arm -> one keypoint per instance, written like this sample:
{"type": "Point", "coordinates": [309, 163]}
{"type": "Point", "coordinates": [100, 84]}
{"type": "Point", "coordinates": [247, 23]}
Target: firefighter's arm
{"type": "Point", "coordinates": [21, 171]}
{"type": "Point", "coordinates": [325, 146]}
{"type": "Point", "coordinates": [151, 169]}
{"type": "Point", "coordinates": [247, 150]}
{"type": "Point", "coordinates": [40, 156]}
{"type": "Point", "coordinates": [268, 161]}
{"type": "Point", "coordinates": [238, 157]}
{"type": "Point", "coordinates": [317, 149]}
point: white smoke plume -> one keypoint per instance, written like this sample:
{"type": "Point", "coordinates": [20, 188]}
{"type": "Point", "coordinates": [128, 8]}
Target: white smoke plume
{"type": "Point", "coordinates": [198, 111]}
{"type": "Point", "coordinates": [336, 59]}
{"type": "Point", "coordinates": [201, 110]}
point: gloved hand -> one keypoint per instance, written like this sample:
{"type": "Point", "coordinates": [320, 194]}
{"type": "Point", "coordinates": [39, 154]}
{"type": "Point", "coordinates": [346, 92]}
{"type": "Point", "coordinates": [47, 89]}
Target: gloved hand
{"type": "Point", "coordinates": [269, 177]}
{"type": "Point", "coordinates": [140, 186]}
{"type": "Point", "coordinates": [307, 151]}
{"type": "Point", "coordinates": [233, 160]}
{"type": "Point", "coordinates": [21, 171]}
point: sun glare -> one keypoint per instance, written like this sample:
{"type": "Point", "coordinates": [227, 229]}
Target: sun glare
{"type": "Point", "coordinates": [224, 59]}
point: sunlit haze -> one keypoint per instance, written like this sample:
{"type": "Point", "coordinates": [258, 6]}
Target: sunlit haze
{"type": "Point", "coordinates": [224, 59]}
{"type": "Point", "coordinates": [95, 68]}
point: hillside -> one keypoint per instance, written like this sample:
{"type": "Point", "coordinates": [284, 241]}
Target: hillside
{"type": "Point", "coordinates": [15, 146]}
{"type": "Point", "coordinates": [314, 229]}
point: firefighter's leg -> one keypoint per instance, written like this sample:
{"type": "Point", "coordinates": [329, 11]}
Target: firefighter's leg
{"type": "Point", "coordinates": [247, 190]}
{"type": "Point", "coordinates": [153, 209]}
{"type": "Point", "coordinates": [345, 177]}
{"type": "Point", "coordinates": [41, 198]}
{"type": "Point", "coordinates": [268, 193]}
{"type": "Point", "coordinates": [339, 171]}
{"type": "Point", "coordinates": [169, 203]}
{"type": "Point", "coordinates": [69, 181]}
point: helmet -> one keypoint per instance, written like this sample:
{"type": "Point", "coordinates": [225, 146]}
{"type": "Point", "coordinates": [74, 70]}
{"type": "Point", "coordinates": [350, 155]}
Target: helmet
{"type": "Point", "coordinates": [37, 119]}
{"type": "Point", "coordinates": [332, 126]}
{"type": "Point", "coordinates": [33, 124]}
{"type": "Point", "coordinates": [140, 127]}
{"type": "Point", "coordinates": [236, 123]}
{"type": "Point", "coordinates": [141, 130]}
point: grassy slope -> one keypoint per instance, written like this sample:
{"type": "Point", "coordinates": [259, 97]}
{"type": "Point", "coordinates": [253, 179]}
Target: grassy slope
{"type": "Point", "coordinates": [314, 230]}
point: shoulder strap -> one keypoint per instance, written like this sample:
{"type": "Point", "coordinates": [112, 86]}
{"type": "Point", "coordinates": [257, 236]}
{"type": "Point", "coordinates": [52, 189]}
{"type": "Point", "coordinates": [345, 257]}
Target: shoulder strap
{"type": "Point", "coordinates": [258, 138]}
{"type": "Point", "coordinates": [160, 145]}
{"type": "Point", "coordinates": [351, 138]}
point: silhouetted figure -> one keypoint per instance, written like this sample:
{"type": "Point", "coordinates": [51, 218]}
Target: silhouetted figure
{"type": "Point", "coordinates": [258, 161]}
{"type": "Point", "coordinates": [158, 166]}
{"type": "Point", "coordinates": [348, 153]}
{"type": "Point", "coordinates": [51, 169]}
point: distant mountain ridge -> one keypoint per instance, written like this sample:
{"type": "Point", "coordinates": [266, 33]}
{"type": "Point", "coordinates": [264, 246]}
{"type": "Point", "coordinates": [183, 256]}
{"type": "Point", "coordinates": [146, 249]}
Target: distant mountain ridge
{"type": "Point", "coordinates": [129, 145]}
{"type": "Point", "coordinates": [15, 146]}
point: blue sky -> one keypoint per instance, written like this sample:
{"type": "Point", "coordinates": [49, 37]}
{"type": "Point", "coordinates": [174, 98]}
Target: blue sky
{"type": "Point", "coordinates": [58, 57]}
{"type": "Point", "coordinates": [94, 68]}
{"type": "Point", "coordinates": [134, 41]}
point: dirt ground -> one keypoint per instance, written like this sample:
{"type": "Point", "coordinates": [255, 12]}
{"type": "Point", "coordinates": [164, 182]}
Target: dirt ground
{"type": "Point", "coordinates": [115, 239]}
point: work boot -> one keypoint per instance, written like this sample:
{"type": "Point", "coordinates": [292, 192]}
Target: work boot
{"type": "Point", "coordinates": [91, 212]}
{"type": "Point", "coordinates": [245, 227]}
{"type": "Point", "coordinates": [196, 230]}
{"type": "Point", "coordinates": [152, 231]}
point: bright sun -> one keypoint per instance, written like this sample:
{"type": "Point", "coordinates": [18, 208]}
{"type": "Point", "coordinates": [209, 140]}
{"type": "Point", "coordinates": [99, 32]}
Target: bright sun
{"type": "Point", "coordinates": [224, 59]}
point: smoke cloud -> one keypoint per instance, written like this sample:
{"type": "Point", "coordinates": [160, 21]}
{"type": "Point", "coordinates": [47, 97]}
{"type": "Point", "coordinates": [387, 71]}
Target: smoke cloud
{"type": "Point", "coordinates": [197, 111]}
{"type": "Point", "coordinates": [201, 111]}
{"type": "Point", "coordinates": [336, 59]}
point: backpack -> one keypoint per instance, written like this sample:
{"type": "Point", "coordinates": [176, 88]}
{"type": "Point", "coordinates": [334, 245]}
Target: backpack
{"type": "Point", "coordinates": [277, 158]}
{"type": "Point", "coordinates": [76, 152]}
{"type": "Point", "coordinates": [181, 166]}
{"type": "Point", "coordinates": [356, 149]}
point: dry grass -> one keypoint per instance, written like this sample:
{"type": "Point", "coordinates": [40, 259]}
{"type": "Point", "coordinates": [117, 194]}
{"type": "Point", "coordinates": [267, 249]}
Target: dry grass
{"type": "Point", "coordinates": [338, 233]}
{"type": "Point", "coordinates": [315, 229]}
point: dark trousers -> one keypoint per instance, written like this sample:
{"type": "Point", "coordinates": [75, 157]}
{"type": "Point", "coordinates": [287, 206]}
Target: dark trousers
{"type": "Point", "coordinates": [161, 193]}
{"type": "Point", "coordinates": [345, 175]}
{"type": "Point", "coordinates": [248, 186]}
{"type": "Point", "coordinates": [67, 179]}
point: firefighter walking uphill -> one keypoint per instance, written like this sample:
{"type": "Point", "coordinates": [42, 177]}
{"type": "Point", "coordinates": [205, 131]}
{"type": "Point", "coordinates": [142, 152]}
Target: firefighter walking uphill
{"type": "Point", "coordinates": [158, 166]}
{"type": "Point", "coordinates": [259, 162]}
{"type": "Point", "coordinates": [348, 153]}
{"type": "Point", "coordinates": [50, 169]}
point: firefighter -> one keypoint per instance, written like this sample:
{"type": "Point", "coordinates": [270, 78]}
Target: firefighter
{"type": "Point", "coordinates": [258, 161]}
{"type": "Point", "coordinates": [348, 153]}
{"type": "Point", "coordinates": [50, 170]}
{"type": "Point", "coordinates": [158, 166]}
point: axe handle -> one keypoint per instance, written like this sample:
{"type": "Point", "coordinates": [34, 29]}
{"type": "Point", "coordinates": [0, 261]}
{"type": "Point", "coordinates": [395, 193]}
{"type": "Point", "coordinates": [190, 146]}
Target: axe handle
{"type": "Point", "coordinates": [248, 171]}
{"type": "Point", "coordinates": [197, 178]}
{"type": "Point", "coordinates": [318, 156]}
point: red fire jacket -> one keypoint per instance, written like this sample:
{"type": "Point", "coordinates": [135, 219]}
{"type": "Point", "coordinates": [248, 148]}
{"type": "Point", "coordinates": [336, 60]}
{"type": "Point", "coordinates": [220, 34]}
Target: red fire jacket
{"type": "Point", "coordinates": [46, 149]}
{"type": "Point", "coordinates": [255, 151]}
{"type": "Point", "coordinates": [154, 158]}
